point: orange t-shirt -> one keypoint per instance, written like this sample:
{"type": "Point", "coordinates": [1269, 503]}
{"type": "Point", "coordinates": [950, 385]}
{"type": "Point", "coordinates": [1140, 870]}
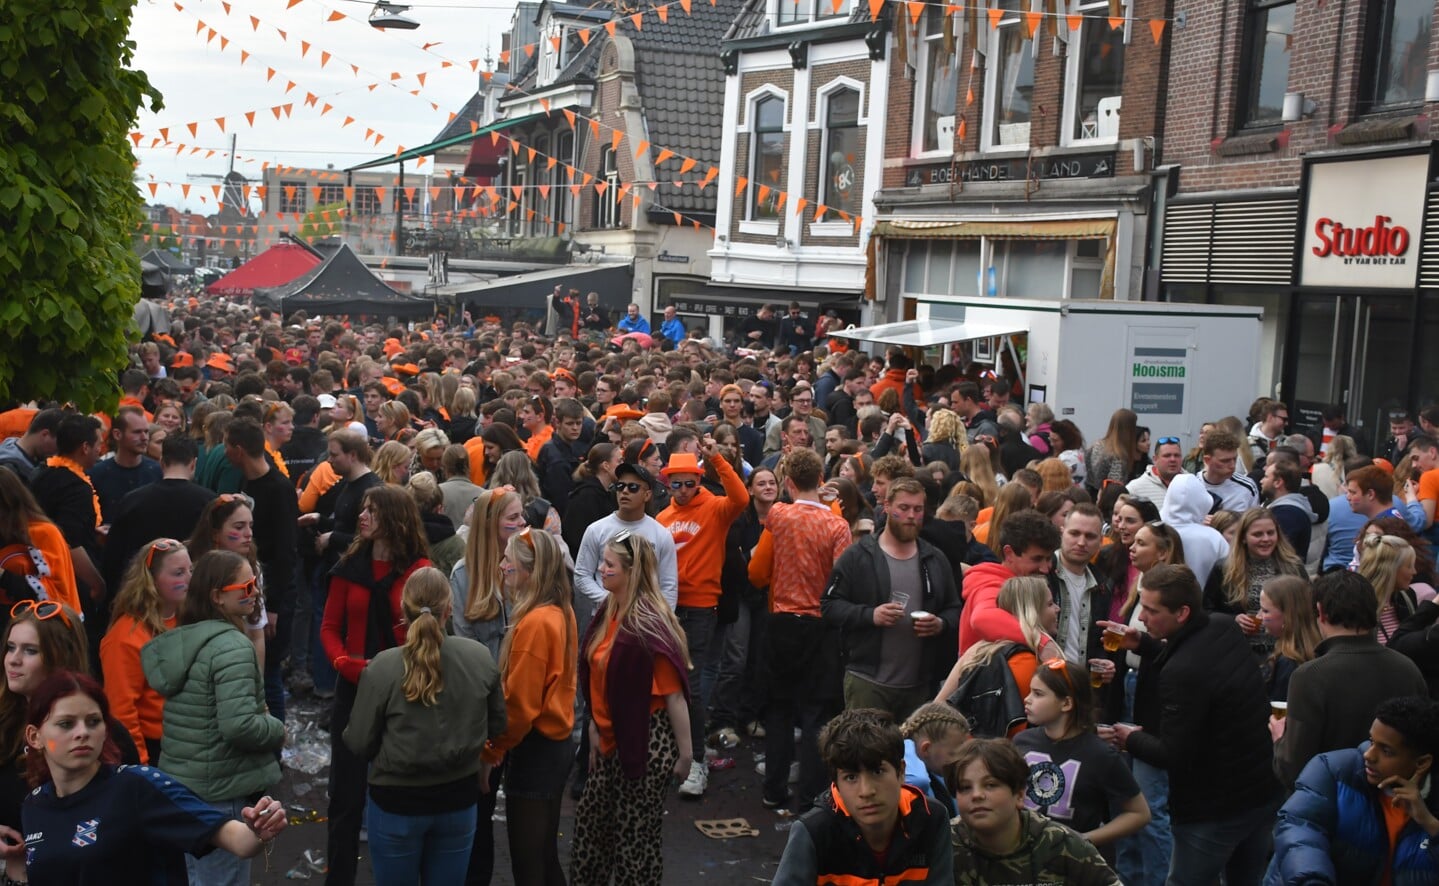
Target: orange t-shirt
{"type": "Point", "coordinates": [1429, 487]}
{"type": "Point", "coordinates": [322, 479]}
{"type": "Point", "coordinates": [666, 682]}
{"type": "Point", "coordinates": [1395, 819]}
{"type": "Point", "coordinates": [539, 680]}
{"type": "Point", "coordinates": [137, 707]}
{"type": "Point", "coordinates": [537, 442]}
{"type": "Point", "coordinates": [60, 584]}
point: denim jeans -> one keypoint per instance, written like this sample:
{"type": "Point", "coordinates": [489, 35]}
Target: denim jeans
{"type": "Point", "coordinates": [320, 667]}
{"type": "Point", "coordinates": [730, 704]}
{"type": "Point", "coordinates": [218, 867]}
{"type": "Point", "coordinates": [1237, 846]}
{"type": "Point", "coordinates": [406, 850]}
{"type": "Point", "coordinates": [1143, 859]}
{"type": "Point", "coordinates": [698, 623]}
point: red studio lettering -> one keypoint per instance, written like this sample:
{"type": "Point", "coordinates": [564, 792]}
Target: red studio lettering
{"type": "Point", "coordinates": [1376, 240]}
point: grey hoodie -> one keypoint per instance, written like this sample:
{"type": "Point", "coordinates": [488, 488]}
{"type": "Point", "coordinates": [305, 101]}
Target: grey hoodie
{"type": "Point", "coordinates": [1185, 506]}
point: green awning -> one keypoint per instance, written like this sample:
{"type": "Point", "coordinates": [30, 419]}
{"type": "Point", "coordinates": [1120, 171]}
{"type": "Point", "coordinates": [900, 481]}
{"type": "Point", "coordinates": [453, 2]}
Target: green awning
{"type": "Point", "coordinates": [433, 147]}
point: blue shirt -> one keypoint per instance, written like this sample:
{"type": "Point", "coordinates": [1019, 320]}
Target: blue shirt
{"type": "Point", "coordinates": [1344, 524]}
{"type": "Point", "coordinates": [638, 324]}
{"type": "Point", "coordinates": [673, 329]}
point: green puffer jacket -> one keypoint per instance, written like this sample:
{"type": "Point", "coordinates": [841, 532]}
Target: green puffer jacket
{"type": "Point", "coordinates": [219, 740]}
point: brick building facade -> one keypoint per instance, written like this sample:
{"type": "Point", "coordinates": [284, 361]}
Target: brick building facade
{"type": "Point", "coordinates": [1284, 120]}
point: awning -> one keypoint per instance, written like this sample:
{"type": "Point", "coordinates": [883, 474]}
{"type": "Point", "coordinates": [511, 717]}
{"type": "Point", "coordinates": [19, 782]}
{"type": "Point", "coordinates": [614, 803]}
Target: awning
{"type": "Point", "coordinates": [484, 159]}
{"type": "Point", "coordinates": [1046, 229]}
{"type": "Point", "coordinates": [612, 281]}
{"type": "Point", "coordinates": [433, 147]}
{"type": "Point", "coordinates": [928, 333]}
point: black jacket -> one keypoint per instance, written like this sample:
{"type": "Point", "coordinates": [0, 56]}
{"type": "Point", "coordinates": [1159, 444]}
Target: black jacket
{"type": "Point", "coordinates": [589, 502]}
{"type": "Point", "coordinates": [556, 467]}
{"type": "Point", "coordinates": [307, 448]}
{"type": "Point", "coordinates": [1418, 638]}
{"type": "Point", "coordinates": [860, 584]}
{"type": "Point", "coordinates": [1205, 713]}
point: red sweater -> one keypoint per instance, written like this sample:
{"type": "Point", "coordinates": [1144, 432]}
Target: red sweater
{"type": "Point", "coordinates": [347, 610]}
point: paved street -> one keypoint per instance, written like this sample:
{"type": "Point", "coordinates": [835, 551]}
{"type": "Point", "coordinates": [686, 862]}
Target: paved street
{"type": "Point", "coordinates": [690, 857]}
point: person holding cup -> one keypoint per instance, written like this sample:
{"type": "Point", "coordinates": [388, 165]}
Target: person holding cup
{"type": "Point", "coordinates": [893, 598]}
{"type": "Point", "coordinates": [1262, 553]}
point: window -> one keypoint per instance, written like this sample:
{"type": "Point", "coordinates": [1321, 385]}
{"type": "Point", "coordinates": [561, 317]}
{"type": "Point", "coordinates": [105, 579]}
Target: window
{"type": "Point", "coordinates": [607, 205]}
{"type": "Point", "coordinates": [367, 202]}
{"type": "Point", "coordinates": [767, 157]}
{"type": "Point", "coordinates": [1087, 271]}
{"type": "Point", "coordinates": [519, 175]}
{"type": "Point", "coordinates": [1264, 71]}
{"type": "Point", "coordinates": [292, 196]}
{"type": "Point", "coordinates": [1009, 91]}
{"type": "Point", "coordinates": [942, 267]}
{"type": "Point", "coordinates": [794, 12]}
{"type": "Point", "coordinates": [842, 166]}
{"type": "Point", "coordinates": [1095, 78]}
{"type": "Point", "coordinates": [331, 194]}
{"type": "Point", "coordinates": [1396, 53]}
{"type": "Point", "coordinates": [935, 96]}
{"type": "Point", "coordinates": [564, 200]}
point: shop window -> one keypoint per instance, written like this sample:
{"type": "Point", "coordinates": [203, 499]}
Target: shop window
{"type": "Point", "coordinates": [1094, 78]}
{"type": "Point", "coordinates": [942, 267]}
{"type": "Point", "coordinates": [796, 12]}
{"type": "Point", "coordinates": [1264, 67]}
{"type": "Point", "coordinates": [1086, 273]}
{"type": "Point", "coordinates": [1396, 52]}
{"type": "Point", "coordinates": [1033, 268]}
{"type": "Point", "coordinates": [767, 157]}
{"type": "Point", "coordinates": [843, 168]}
{"type": "Point", "coordinates": [936, 84]}
{"type": "Point", "coordinates": [1009, 87]}
{"type": "Point", "coordinates": [607, 205]}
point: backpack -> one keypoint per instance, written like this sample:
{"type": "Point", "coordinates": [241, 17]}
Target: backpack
{"type": "Point", "coordinates": [988, 696]}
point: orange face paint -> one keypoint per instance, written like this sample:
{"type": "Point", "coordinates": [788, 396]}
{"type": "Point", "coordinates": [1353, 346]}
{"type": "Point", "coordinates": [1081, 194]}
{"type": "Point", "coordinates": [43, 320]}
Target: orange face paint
{"type": "Point", "coordinates": [51, 746]}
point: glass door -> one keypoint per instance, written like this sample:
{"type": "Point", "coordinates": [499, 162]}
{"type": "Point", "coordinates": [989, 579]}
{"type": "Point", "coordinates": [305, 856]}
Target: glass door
{"type": "Point", "coordinates": [1355, 351]}
{"type": "Point", "coordinates": [1383, 355]}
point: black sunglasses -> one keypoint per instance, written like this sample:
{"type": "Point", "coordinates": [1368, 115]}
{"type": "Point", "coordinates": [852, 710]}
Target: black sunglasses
{"type": "Point", "coordinates": [620, 486]}
{"type": "Point", "coordinates": [684, 484]}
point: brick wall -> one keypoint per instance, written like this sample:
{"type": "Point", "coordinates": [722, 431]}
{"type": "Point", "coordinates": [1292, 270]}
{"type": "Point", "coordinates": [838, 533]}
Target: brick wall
{"type": "Point", "coordinates": [604, 108]}
{"type": "Point", "coordinates": [782, 79]}
{"type": "Point", "coordinates": [1326, 65]}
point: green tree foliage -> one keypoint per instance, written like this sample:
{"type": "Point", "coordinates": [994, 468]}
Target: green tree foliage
{"type": "Point", "coordinates": [67, 199]}
{"type": "Point", "coordinates": [315, 225]}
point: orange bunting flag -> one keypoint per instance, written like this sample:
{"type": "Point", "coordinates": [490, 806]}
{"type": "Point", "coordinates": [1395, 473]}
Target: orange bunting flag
{"type": "Point", "coordinates": [304, 48]}
{"type": "Point", "coordinates": [220, 122]}
{"type": "Point", "coordinates": [504, 57]}
{"type": "Point", "coordinates": [293, 3]}
{"type": "Point", "coordinates": [763, 193]}
{"type": "Point", "coordinates": [135, 137]}
{"type": "Point", "coordinates": [210, 37]}
{"type": "Point", "coordinates": [199, 26]}
{"type": "Point", "coordinates": [165, 133]}
{"type": "Point", "coordinates": [587, 179]}
{"type": "Point", "coordinates": [224, 42]}
{"type": "Point", "coordinates": [335, 16]}
{"type": "Point", "coordinates": [584, 35]}
{"type": "Point", "coordinates": [396, 75]}
{"type": "Point", "coordinates": [1031, 23]}
{"type": "Point", "coordinates": [410, 194]}
{"type": "Point", "coordinates": [874, 7]}
{"type": "Point", "coordinates": [545, 103]}
{"type": "Point", "coordinates": [326, 108]}
{"type": "Point", "coordinates": [545, 191]}
{"type": "Point", "coordinates": [663, 155]}
{"type": "Point", "coordinates": [284, 38]}
{"type": "Point", "coordinates": [779, 201]}
{"type": "Point", "coordinates": [837, 6]}
{"type": "Point", "coordinates": [225, 5]}
{"type": "Point", "coordinates": [1075, 22]}
{"type": "Point", "coordinates": [434, 193]}
{"type": "Point", "coordinates": [615, 138]}
{"type": "Point", "coordinates": [569, 117]}
{"type": "Point", "coordinates": [994, 16]}
{"type": "Point", "coordinates": [290, 192]}
{"type": "Point", "coordinates": [601, 187]}
{"type": "Point", "coordinates": [487, 75]}
{"type": "Point", "coordinates": [638, 21]}
{"type": "Point", "coordinates": [740, 184]}
{"type": "Point", "coordinates": [348, 121]}
{"type": "Point", "coordinates": [916, 9]}
{"type": "Point", "coordinates": [269, 74]}
{"type": "Point", "coordinates": [685, 5]}
{"type": "Point", "coordinates": [664, 13]}
{"type": "Point", "coordinates": [962, 129]}
{"type": "Point", "coordinates": [610, 28]}
{"type": "Point", "coordinates": [310, 99]}
{"type": "Point", "coordinates": [687, 165]}
{"type": "Point", "coordinates": [153, 188]}
{"type": "Point", "coordinates": [244, 56]}
{"type": "Point", "coordinates": [1156, 27]}
{"type": "Point", "coordinates": [368, 132]}
{"type": "Point", "coordinates": [799, 206]}
{"type": "Point", "coordinates": [819, 211]}
{"type": "Point", "coordinates": [531, 154]}
{"type": "Point", "coordinates": [315, 193]}
{"type": "Point", "coordinates": [709, 177]}
{"type": "Point", "coordinates": [355, 70]}
{"type": "Point", "coordinates": [380, 194]}
{"type": "Point", "coordinates": [192, 127]}
{"type": "Point", "coordinates": [289, 105]}
{"type": "Point", "coordinates": [494, 138]}
{"type": "Point", "coordinates": [555, 43]}
{"type": "Point", "coordinates": [289, 86]}
{"type": "Point", "coordinates": [1116, 22]}
{"type": "Point", "coordinates": [594, 128]}
{"type": "Point", "coordinates": [642, 149]}
{"type": "Point", "coordinates": [574, 190]}
{"type": "Point", "coordinates": [421, 77]}
{"type": "Point", "coordinates": [550, 163]}
{"type": "Point", "coordinates": [515, 147]}
{"type": "Point", "coordinates": [529, 49]}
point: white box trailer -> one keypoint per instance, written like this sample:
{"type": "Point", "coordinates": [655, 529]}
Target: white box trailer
{"type": "Point", "coordinates": [1176, 365]}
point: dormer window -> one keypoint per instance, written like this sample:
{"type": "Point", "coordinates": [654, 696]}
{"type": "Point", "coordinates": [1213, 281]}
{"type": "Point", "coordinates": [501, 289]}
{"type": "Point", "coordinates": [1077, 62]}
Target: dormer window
{"type": "Point", "coordinates": [552, 60]}
{"type": "Point", "coordinates": [797, 12]}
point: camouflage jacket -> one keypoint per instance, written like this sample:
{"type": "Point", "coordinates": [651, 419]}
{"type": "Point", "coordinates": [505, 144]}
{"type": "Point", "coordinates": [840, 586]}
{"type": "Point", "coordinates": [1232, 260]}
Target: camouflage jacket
{"type": "Point", "coordinates": [1050, 853]}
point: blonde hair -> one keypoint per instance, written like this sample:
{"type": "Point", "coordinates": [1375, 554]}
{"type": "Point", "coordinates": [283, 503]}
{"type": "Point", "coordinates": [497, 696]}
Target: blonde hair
{"type": "Point", "coordinates": [388, 459]}
{"type": "Point", "coordinates": [643, 612]}
{"type": "Point", "coordinates": [933, 721]}
{"type": "Point", "coordinates": [1341, 450]}
{"type": "Point", "coordinates": [1294, 599]}
{"type": "Point", "coordinates": [425, 602]}
{"type": "Point", "coordinates": [1380, 557]}
{"type": "Point", "coordinates": [975, 464]}
{"type": "Point", "coordinates": [1055, 474]}
{"type": "Point", "coordinates": [1025, 597]}
{"type": "Point", "coordinates": [482, 555]}
{"type": "Point", "coordinates": [538, 553]}
{"type": "Point", "coordinates": [1236, 570]}
{"type": "Point", "coordinates": [138, 597]}
{"type": "Point", "coordinates": [945, 426]}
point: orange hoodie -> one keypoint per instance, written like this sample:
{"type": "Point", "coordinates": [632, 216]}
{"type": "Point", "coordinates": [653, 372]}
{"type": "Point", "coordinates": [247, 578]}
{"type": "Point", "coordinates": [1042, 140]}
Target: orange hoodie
{"type": "Point", "coordinates": [539, 680]}
{"type": "Point", "coordinates": [699, 530]}
{"type": "Point", "coordinates": [133, 703]}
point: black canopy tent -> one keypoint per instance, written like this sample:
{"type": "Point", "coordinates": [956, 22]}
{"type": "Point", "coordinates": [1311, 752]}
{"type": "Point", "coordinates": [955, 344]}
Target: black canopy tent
{"type": "Point", "coordinates": [167, 262]}
{"type": "Point", "coordinates": [343, 286]}
{"type": "Point", "coordinates": [154, 281]}
{"type": "Point", "coordinates": [530, 290]}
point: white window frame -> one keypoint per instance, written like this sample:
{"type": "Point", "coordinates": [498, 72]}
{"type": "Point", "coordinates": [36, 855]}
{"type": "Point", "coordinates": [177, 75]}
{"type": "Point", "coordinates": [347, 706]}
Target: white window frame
{"type": "Point", "coordinates": [1071, 79]}
{"type": "Point", "coordinates": [746, 130]}
{"type": "Point", "coordinates": [607, 210]}
{"type": "Point", "coordinates": [820, 126]}
{"type": "Point", "coordinates": [987, 143]}
{"type": "Point", "coordinates": [565, 154]}
{"type": "Point", "coordinates": [812, 8]}
{"type": "Point", "coordinates": [922, 85]}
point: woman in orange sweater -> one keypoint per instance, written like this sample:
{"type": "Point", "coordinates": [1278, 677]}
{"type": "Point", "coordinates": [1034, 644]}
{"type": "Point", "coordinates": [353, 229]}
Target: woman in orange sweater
{"type": "Point", "coordinates": [146, 606]}
{"type": "Point", "coordinates": [538, 661]}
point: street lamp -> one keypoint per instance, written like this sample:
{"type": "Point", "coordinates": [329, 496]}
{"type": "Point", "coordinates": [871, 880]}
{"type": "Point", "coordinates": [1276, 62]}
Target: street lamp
{"type": "Point", "coordinates": [388, 15]}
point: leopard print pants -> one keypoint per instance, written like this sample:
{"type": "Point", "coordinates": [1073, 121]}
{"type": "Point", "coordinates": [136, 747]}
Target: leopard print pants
{"type": "Point", "coordinates": [618, 822]}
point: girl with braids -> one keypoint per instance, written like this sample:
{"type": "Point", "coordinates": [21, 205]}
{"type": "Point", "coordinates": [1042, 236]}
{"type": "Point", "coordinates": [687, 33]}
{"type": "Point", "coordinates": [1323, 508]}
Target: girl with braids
{"type": "Point", "coordinates": [147, 605]}
{"type": "Point", "coordinates": [633, 666]}
{"type": "Point", "coordinates": [933, 735]}
{"type": "Point", "coordinates": [220, 741]}
{"type": "Point", "coordinates": [1075, 777]}
{"type": "Point", "coordinates": [538, 660]}
{"type": "Point", "coordinates": [421, 715]}
{"type": "Point", "coordinates": [361, 620]}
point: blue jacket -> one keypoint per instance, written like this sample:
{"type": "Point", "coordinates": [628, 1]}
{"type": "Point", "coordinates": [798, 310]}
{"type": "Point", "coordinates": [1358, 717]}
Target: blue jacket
{"type": "Point", "coordinates": [1332, 831]}
{"type": "Point", "coordinates": [673, 329]}
{"type": "Point", "coordinates": [639, 324]}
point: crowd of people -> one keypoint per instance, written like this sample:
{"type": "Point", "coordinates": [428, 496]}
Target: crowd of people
{"type": "Point", "coordinates": [973, 646]}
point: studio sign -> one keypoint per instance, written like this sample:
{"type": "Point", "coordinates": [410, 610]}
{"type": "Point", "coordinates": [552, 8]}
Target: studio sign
{"type": "Point", "coordinates": [1381, 243]}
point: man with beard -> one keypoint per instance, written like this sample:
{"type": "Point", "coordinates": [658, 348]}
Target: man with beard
{"type": "Point", "coordinates": [892, 596]}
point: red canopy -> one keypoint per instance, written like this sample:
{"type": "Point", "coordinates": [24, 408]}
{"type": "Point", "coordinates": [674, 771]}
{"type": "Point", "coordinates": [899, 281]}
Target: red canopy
{"type": "Point", "coordinates": [275, 266]}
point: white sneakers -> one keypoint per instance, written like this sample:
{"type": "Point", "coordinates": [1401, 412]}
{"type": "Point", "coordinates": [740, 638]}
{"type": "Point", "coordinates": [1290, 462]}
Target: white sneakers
{"type": "Point", "coordinates": [699, 779]}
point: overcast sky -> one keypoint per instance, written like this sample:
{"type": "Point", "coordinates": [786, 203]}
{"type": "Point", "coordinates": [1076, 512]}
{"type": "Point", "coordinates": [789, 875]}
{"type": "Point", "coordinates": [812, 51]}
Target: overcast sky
{"type": "Point", "coordinates": [199, 82]}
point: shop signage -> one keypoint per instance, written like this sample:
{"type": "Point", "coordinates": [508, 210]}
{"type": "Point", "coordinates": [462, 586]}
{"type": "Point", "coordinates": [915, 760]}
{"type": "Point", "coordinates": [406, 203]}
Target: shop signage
{"type": "Point", "coordinates": [1364, 222]}
{"type": "Point", "coordinates": [1157, 377]}
{"type": "Point", "coordinates": [1099, 165]}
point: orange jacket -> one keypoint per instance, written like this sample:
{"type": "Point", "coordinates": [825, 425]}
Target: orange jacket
{"type": "Point", "coordinates": [893, 379]}
{"type": "Point", "coordinates": [133, 703]}
{"type": "Point", "coordinates": [475, 447]}
{"type": "Point", "coordinates": [46, 537]}
{"type": "Point", "coordinates": [539, 680]}
{"type": "Point", "coordinates": [699, 530]}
